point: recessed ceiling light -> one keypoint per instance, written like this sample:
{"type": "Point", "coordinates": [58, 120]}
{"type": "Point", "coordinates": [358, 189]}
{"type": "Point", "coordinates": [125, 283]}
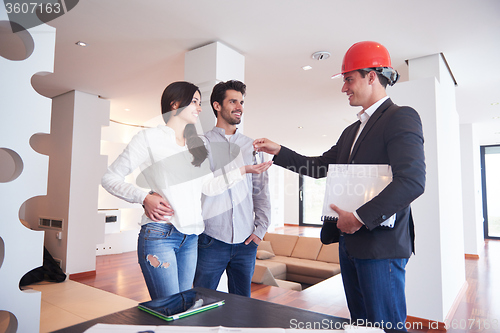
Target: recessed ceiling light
{"type": "Point", "coordinates": [127, 109]}
{"type": "Point", "coordinates": [321, 55]}
{"type": "Point", "coordinates": [496, 103]}
{"type": "Point", "coordinates": [300, 127]}
{"type": "Point", "coordinates": [306, 68]}
{"type": "Point", "coordinates": [80, 43]}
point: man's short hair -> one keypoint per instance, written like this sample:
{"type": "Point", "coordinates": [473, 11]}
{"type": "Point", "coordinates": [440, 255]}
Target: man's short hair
{"type": "Point", "coordinates": [219, 91]}
{"type": "Point", "coordinates": [382, 79]}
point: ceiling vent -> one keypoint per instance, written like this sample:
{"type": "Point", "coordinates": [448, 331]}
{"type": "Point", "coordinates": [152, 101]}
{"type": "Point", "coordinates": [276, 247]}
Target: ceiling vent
{"type": "Point", "coordinates": [321, 55]}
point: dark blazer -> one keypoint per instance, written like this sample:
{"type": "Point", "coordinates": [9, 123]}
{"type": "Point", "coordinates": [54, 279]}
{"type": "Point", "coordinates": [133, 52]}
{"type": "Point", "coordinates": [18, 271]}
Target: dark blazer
{"type": "Point", "coordinates": [393, 135]}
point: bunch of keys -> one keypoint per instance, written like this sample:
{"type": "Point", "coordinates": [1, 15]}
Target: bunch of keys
{"type": "Point", "coordinates": [256, 158]}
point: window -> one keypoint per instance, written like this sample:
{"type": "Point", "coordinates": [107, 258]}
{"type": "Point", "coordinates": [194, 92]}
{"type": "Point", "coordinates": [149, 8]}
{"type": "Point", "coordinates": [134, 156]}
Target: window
{"type": "Point", "coordinates": [490, 175]}
{"type": "Point", "coordinates": [311, 196]}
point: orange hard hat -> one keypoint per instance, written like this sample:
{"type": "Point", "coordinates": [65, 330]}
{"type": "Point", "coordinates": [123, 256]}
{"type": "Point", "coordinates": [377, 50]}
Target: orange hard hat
{"type": "Point", "coordinates": [369, 55]}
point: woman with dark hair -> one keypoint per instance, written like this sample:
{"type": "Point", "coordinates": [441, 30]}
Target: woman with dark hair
{"type": "Point", "coordinates": [174, 165]}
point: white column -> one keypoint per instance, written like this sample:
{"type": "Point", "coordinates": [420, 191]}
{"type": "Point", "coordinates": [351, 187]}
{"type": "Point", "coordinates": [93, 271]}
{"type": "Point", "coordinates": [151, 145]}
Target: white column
{"type": "Point", "coordinates": [436, 274]}
{"type": "Point", "coordinates": [472, 196]}
{"type": "Point", "coordinates": [75, 171]}
{"type": "Point", "coordinates": [85, 225]}
{"type": "Point", "coordinates": [23, 113]}
{"type": "Point", "coordinates": [208, 65]}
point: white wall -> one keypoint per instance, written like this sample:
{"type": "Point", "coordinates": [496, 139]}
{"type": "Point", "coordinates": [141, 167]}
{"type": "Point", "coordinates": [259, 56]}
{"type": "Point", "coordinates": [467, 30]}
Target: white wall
{"type": "Point", "coordinates": [291, 191]}
{"type": "Point", "coordinates": [115, 138]}
{"type": "Point", "coordinates": [472, 195]}
{"type": "Point", "coordinates": [277, 195]}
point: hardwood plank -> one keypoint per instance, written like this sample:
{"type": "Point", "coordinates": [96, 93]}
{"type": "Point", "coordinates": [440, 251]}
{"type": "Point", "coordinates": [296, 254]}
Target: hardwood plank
{"type": "Point", "coordinates": [119, 274]}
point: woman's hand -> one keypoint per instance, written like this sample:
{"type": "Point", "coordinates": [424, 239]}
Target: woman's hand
{"type": "Point", "coordinates": [256, 168]}
{"type": "Point", "coordinates": [157, 208]}
{"type": "Point", "coordinates": [266, 146]}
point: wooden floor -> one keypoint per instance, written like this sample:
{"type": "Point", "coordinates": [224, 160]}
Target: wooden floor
{"type": "Point", "coordinates": [120, 274]}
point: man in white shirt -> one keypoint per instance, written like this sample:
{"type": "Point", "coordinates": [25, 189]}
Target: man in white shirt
{"type": "Point", "coordinates": [236, 220]}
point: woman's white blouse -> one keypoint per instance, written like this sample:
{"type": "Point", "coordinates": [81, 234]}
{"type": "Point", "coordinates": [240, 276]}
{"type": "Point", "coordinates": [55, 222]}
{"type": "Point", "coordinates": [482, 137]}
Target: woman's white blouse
{"type": "Point", "coordinates": [166, 168]}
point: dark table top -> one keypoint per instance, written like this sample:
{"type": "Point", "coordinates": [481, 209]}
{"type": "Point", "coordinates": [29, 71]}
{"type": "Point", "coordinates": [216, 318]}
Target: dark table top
{"type": "Point", "coordinates": [238, 311]}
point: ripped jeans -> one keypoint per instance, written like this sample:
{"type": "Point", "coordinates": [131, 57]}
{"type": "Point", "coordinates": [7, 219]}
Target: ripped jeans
{"type": "Point", "coordinates": [167, 258]}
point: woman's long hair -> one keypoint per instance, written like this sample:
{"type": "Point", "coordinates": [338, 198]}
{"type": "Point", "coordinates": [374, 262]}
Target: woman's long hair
{"type": "Point", "coordinates": [183, 93]}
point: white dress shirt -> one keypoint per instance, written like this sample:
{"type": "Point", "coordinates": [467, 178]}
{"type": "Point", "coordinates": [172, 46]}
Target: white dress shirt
{"type": "Point", "coordinates": [245, 208]}
{"type": "Point", "coordinates": [364, 116]}
{"type": "Point", "coordinates": [166, 168]}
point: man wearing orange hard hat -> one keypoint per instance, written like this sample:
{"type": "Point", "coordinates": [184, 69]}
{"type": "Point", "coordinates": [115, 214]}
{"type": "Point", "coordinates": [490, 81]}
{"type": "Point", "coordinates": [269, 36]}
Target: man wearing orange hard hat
{"type": "Point", "coordinates": [377, 239]}
{"type": "Point", "coordinates": [369, 56]}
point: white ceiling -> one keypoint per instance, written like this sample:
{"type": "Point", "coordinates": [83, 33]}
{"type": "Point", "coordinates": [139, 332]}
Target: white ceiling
{"type": "Point", "coordinates": [135, 48]}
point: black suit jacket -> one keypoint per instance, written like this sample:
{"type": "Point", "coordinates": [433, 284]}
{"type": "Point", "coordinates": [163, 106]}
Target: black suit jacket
{"type": "Point", "coordinates": [393, 135]}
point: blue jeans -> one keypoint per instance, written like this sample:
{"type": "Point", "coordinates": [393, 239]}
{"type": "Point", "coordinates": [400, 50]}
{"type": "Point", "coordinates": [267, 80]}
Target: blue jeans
{"type": "Point", "coordinates": [215, 256]}
{"type": "Point", "coordinates": [375, 289]}
{"type": "Point", "coordinates": [167, 258]}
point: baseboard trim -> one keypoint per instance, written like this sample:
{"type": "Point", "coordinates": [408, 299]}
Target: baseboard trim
{"type": "Point", "coordinates": [82, 275]}
{"type": "Point", "coordinates": [472, 256]}
{"type": "Point", "coordinates": [291, 225]}
{"type": "Point", "coordinates": [421, 323]}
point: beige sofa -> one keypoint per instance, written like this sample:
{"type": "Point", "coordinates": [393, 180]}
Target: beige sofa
{"type": "Point", "coordinates": [290, 258]}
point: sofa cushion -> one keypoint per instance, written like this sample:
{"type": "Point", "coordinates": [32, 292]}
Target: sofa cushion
{"type": "Point", "coordinates": [263, 255]}
{"type": "Point", "coordinates": [329, 253]}
{"type": "Point", "coordinates": [263, 275]}
{"type": "Point", "coordinates": [265, 246]}
{"type": "Point", "coordinates": [283, 259]}
{"type": "Point", "coordinates": [282, 244]}
{"type": "Point", "coordinates": [307, 248]}
{"type": "Point", "coordinates": [314, 268]}
{"type": "Point", "coordinates": [278, 269]}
